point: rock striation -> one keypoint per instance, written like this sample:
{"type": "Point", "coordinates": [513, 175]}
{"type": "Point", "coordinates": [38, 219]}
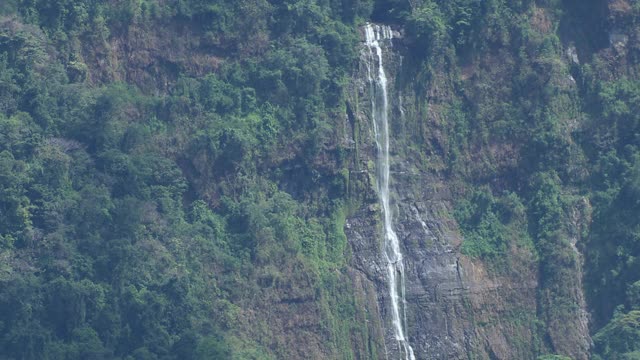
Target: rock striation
{"type": "Point", "coordinates": [457, 307]}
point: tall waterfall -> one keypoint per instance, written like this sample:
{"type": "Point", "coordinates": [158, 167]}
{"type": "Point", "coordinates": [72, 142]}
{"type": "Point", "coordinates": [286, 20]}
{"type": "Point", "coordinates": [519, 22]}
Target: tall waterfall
{"type": "Point", "coordinates": [374, 36]}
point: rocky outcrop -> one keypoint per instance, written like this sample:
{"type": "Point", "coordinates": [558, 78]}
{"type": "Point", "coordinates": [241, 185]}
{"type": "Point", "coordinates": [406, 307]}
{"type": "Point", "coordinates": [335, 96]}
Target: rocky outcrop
{"type": "Point", "coordinates": [457, 307]}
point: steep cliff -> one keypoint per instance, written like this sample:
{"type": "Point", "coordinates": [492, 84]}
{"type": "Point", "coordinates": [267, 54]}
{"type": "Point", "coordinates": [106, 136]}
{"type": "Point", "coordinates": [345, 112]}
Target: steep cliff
{"type": "Point", "coordinates": [456, 307]}
{"type": "Point", "coordinates": [461, 304]}
{"type": "Point", "coordinates": [211, 179]}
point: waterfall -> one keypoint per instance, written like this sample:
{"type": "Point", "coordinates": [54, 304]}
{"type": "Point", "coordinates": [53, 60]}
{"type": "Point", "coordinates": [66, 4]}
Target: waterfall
{"type": "Point", "coordinates": [374, 36]}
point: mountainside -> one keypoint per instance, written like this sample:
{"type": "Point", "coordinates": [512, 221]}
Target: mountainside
{"type": "Point", "coordinates": [212, 179]}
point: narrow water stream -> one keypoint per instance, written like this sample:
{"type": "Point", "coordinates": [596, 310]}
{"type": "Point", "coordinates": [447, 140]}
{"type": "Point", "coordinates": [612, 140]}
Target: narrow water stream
{"type": "Point", "coordinates": [377, 37]}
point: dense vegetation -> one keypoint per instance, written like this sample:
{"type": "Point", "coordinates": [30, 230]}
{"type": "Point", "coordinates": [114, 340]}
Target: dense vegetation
{"type": "Point", "coordinates": [542, 147]}
{"type": "Point", "coordinates": [135, 220]}
{"type": "Point", "coordinates": [570, 171]}
{"type": "Point", "coordinates": [143, 205]}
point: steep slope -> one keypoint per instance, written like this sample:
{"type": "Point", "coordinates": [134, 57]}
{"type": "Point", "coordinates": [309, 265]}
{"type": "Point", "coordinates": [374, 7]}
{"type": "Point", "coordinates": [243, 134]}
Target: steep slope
{"type": "Point", "coordinates": [170, 186]}
{"type": "Point", "coordinates": [195, 179]}
{"type": "Point", "coordinates": [458, 306]}
{"type": "Point", "coordinates": [499, 150]}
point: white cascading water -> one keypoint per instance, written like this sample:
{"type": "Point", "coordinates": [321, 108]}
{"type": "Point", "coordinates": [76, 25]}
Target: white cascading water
{"type": "Point", "coordinates": [374, 35]}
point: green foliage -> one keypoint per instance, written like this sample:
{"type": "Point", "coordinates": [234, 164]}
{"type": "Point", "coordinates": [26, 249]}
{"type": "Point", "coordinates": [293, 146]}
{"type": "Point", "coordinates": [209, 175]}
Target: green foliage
{"type": "Point", "coordinates": [613, 244]}
{"type": "Point", "coordinates": [506, 121]}
{"type": "Point", "coordinates": [620, 339]}
{"type": "Point", "coordinates": [553, 357]}
{"type": "Point", "coordinates": [143, 222]}
{"type": "Point", "coordinates": [613, 263]}
{"type": "Point", "coordinates": [211, 348]}
{"type": "Point", "coordinates": [620, 102]}
{"type": "Point", "coordinates": [138, 220]}
{"type": "Point", "coordinates": [491, 226]}
{"type": "Point", "coordinates": [8, 7]}
{"type": "Point", "coordinates": [428, 27]}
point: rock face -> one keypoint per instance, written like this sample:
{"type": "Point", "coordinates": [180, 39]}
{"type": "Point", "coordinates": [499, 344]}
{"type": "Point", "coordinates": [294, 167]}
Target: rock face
{"type": "Point", "coordinates": [457, 308]}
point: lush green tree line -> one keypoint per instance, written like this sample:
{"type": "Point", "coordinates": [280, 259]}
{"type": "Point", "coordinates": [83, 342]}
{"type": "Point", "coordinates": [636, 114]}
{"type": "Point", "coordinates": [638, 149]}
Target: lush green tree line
{"type": "Point", "coordinates": [135, 221]}
{"type": "Point", "coordinates": [132, 224]}
{"type": "Point", "coordinates": [520, 101]}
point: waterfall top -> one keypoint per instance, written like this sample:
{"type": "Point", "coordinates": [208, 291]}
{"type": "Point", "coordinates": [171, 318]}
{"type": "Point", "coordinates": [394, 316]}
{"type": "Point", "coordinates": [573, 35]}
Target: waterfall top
{"type": "Point", "coordinates": [376, 32]}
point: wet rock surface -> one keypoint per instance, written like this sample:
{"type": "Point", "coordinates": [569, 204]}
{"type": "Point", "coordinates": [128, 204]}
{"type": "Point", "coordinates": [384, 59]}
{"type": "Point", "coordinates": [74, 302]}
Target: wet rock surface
{"type": "Point", "coordinates": [456, 307]}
